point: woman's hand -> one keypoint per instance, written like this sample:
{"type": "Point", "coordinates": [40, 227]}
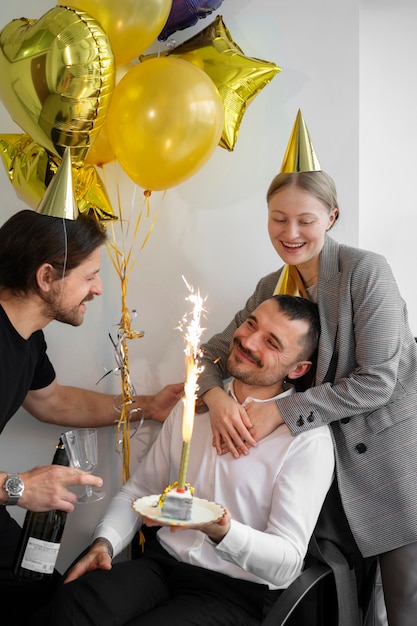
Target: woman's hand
{"type": "Point", "coordinates": [265, 418]}
{"type": "Point", "coordinates": [230, 423]}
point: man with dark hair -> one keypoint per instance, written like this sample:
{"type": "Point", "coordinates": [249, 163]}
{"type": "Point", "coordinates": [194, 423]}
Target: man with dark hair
{"type": "Point", "coordinates": [49, 270]}
{"type": "Point", "coordinates": [231, 570]}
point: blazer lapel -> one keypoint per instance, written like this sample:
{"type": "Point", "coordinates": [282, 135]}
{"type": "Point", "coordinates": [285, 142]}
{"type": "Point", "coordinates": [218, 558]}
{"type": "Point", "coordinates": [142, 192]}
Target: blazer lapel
{"type": "Point", "coordinates": [328, 303]}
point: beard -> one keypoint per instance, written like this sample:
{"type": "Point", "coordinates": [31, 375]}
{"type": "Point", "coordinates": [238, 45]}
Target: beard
{"type": "Point", "coordinates": [251, 374]}
{"type": "Point", "coordinates": [71, 315]}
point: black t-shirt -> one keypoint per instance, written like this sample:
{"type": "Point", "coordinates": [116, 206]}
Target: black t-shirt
{"type": "Point", "coordinates": [24, 365]}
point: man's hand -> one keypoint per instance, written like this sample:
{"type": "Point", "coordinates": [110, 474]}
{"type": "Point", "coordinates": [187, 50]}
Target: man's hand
{"type": "Point", "coordinates": [46, 487]}
{"type": "Point", "coordinates": [160, 405]}
{"type": "Point", "coordinates": [216, 531]}
{"type": "Point", "coordinates": [97, 557]}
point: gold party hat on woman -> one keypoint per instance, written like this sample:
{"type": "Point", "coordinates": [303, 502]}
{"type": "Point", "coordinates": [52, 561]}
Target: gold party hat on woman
{"type": "Point", "coordinates": [59, 199]}
{"type": "Point", "coordinates": [290, 283]}
{"type": "Point", "coordinates": [300, 155]}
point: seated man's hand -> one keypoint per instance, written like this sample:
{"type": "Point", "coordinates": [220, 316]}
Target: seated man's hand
{"type": "Point", "coordinates": [214, 530]}
{"type": "Point", "coordinates": [97, 557]}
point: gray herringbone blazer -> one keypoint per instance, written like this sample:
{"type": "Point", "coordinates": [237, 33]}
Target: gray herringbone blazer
{"type": "Point", "coordinates": [366, 389]}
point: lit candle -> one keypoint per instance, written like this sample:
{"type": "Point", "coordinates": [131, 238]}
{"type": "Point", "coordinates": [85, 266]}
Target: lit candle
{"type": "Point", "coordinates": [193, 332]}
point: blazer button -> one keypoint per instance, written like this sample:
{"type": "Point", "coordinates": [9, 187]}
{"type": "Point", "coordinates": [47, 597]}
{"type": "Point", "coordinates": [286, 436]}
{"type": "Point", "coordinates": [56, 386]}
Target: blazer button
{"type": "Point", "coordinates": [310, 418]}
{"type": "Point", "coordinates": [300, 421]}
{"type": "Point", "coordinates": [361, 448]}
{"type": "Point", "coordinates": [345, 420]}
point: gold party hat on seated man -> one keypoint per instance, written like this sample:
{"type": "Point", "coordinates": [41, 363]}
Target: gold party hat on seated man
{"type": "Point", "coordinates": [300, 155]}
{"type": "Point", "coordinates": [59, 199]}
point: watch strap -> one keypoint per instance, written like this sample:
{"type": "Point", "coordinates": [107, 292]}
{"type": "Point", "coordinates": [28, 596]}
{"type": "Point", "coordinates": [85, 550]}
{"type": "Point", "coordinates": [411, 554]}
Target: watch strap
{"type": "Point", "coordinates": [12, 500]}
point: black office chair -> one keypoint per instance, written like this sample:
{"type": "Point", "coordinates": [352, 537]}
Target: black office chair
{"type": "Point", "coordinates": [336, 586]}
{"type": "Point", "coordinates": [309, 601]}
{"type": "Point", "coordinates": [312, 600]}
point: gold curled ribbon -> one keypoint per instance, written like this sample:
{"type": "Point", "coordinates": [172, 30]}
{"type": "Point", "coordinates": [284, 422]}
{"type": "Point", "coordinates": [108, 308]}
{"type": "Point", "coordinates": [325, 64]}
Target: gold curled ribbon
{"type": "Point", "coordinates": [121, 256]}
{"type": "Point", "coordinates": [169, 488]}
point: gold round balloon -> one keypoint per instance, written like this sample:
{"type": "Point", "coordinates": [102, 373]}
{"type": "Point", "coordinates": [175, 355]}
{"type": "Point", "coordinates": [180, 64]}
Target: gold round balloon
{"type": "Point", "coordinates": [164, 122]}
{"type": "Point", "coordinates": [131, 25]}
{"type": "Point", "coordinates": [57, 78]}
{"type": "Point", "coordinates": [101, 151]}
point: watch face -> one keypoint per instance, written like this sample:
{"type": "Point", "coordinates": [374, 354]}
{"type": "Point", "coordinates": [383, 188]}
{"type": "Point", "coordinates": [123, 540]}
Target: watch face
{"type": "Point", "coordinates": [14, 486]}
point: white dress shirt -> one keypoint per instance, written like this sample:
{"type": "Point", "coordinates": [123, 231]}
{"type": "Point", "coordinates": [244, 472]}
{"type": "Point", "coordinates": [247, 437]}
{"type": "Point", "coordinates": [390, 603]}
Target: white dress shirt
{"type": "Point", "coordinates": [274, 495]}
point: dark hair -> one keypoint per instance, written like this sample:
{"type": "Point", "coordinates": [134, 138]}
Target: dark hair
{"type": "Point", "coordinates": [317, 184]}
{"type": "Point", "coordinates": [29, 239]}
{"type": "Point", "coordinates": [296, 308]}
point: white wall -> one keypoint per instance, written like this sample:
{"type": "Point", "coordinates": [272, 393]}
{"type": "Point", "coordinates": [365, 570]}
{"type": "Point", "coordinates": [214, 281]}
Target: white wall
{"type": "Point", "coordinates": [388, 132]}
{"type": "Point", "coordinates": [212, 229]}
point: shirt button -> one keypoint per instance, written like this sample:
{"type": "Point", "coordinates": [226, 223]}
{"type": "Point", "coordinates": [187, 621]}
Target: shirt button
{"type": "Point", "coordinates": [300, 421]}
{"type": "Point", "coordinates": [345, 420]}
{"type": "Point", "coordinates": [310, 418]}
{"type": "Point", "coordinates": [361, 448]}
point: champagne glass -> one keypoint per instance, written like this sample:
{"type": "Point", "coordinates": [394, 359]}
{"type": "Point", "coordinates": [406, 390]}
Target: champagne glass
{"type": "Point", "coordinates": [81, 446]}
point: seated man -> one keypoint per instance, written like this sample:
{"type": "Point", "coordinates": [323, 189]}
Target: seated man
{"type": "Point", "coordinates": [230, 571]}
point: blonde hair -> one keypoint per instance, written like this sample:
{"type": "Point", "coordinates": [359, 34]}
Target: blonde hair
{"type": "Point", "coordinates": [318, 184]}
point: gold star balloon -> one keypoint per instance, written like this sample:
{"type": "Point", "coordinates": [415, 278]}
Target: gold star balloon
{"type": "Point", "coordinates": [238, 78]}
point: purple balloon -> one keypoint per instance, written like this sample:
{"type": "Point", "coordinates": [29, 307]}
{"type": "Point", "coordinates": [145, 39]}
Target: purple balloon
{"type": "Point", "coordinates": [185, 13]}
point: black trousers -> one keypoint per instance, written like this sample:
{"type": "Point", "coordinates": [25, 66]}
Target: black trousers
{"type": "Point", "coordinates": [25, 598]}
{"type": "Point", "coordinates": [156, 590]}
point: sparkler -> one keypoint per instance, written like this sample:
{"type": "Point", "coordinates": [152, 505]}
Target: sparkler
{"type": "Point", "coordinates": [190, 323]}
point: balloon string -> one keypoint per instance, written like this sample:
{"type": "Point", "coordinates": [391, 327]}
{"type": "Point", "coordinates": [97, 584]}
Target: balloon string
{"type": "Point", "coordinates": [123, 262]}
{"type": "Point", "coordinates": [126, 387]}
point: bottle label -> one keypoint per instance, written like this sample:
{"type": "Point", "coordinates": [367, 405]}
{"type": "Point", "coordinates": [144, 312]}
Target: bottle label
{"type": "Point", "coordinates": [40, 556]}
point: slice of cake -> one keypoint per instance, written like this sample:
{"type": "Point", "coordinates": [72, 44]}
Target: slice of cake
{"type": "Point", "coordinates": [178, 504]}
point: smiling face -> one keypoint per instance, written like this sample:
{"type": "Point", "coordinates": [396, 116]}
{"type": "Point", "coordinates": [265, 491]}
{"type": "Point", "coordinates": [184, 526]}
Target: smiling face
{"type": "Point", "coordinates": [67, 297]}
{"type": "Point", "coordinates": [267, 348]}
{"type": "Point", "coordinates": [297, 224]}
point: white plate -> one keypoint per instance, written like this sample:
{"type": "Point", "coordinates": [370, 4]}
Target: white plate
{"type": "Point", "coordinates": [202, 512]}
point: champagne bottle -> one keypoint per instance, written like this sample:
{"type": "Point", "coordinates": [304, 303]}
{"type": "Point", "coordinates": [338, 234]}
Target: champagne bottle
{"type": "Point", "coordinates": [40, 538]}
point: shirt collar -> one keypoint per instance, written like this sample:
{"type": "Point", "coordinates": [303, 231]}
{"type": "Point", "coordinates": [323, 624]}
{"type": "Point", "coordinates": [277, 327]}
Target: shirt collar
{"type": "Point", "coordinates": [229, 388]}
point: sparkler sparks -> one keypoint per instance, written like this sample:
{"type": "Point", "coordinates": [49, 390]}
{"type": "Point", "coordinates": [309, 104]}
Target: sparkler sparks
{"type": "Point", "coordinates": [190, 325]}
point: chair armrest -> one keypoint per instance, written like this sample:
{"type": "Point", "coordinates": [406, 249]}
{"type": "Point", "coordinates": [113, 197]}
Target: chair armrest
{"type": "Point", "coordinates": [294, 594]}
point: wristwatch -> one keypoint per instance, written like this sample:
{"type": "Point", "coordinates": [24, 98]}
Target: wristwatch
{"type": "Point", "coordinates": [14, 487]}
